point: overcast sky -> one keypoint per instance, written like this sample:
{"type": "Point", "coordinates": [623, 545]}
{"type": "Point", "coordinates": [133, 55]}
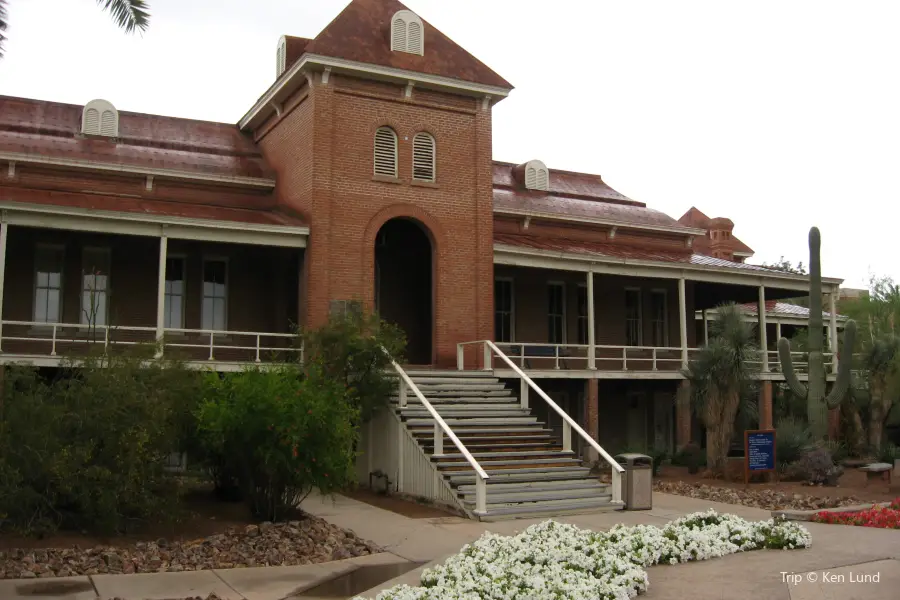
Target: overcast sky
{"type": "Point", "coordinates": [777, 114]}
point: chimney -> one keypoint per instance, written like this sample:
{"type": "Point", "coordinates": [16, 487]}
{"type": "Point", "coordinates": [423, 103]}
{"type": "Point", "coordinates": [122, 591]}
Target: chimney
{"type": "Point", "coordinates": [720, 238]}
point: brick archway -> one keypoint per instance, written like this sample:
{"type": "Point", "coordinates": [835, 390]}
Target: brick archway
{"type": "Point", "coordinates": [415, 308]}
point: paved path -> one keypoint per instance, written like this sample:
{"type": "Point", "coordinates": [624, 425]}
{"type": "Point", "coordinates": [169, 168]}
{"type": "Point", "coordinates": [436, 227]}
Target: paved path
{"type": "Point", "coordinates": [841, 565]}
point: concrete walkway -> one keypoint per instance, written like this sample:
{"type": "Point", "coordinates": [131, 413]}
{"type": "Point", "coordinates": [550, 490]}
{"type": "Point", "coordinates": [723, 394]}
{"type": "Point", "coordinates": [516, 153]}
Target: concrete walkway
{"type": "Point", "coordinates": [845, 563]}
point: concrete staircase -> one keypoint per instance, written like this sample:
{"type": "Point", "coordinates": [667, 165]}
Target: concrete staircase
{"type": "Point", "coordinates": [529, 474]}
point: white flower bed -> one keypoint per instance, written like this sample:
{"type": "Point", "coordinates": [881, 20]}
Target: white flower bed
{"type": "Point", "coordinates": [558, 561]}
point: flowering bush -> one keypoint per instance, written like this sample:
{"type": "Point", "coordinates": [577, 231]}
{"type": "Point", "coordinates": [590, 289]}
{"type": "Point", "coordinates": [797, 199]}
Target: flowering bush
{"type": "Point", "coordinates": [883, 518]}
{"type": "Point", "coordinates": [560, 561]}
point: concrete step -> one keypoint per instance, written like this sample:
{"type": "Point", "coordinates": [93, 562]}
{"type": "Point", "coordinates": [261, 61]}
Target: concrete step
{"type": "Point", "coordinates": [440, 379]}
{"type": "Point", "coordinates": [459, 392]}
{"type": "Point", "coordinates": [469, 432]}
{"type": "Point", "coordinates": [450, 454]}
{"type": "Point", "coordinates": [463, 405]}
{"type": "Point", "coordinates": [452, 373]}
{"type": "Point", "coordinates": [466, 476]}
{"type": "Point", "coordinates": [486, 386]}
{"type": "Point", "coordinates": [545, 498]}
{"type": "Point", "coordinates": [534, 486]}
{"type": "Point", "coordinates": [541, 509]}
{"type": "Point", "coordinates": [412, 399]}
{"type": "Point", "coordinates": [427, 445]}
{"type": "Point", "coordinates": [466, 412]}
{"type": "Point", "coordinates": [503, 465]}
{"type": "Point", "coordinates": [454, 422]}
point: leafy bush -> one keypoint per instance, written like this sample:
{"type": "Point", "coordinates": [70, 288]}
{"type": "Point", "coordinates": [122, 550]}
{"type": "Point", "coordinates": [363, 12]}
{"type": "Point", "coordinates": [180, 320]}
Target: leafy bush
{"type": "Point", "coordinates": [839, 450]}
{"type": "Point", "coordinates": [792, 438]}
{"type": "Point", "coordinates": [889, 453]}
{"type": "Point", "coordinates": [817, 467]}
{"type": "Point", "coordinates": [88, 449]}
{"type": "Point", "coordinates": [350, 350]}
{"type": "Point", "coordinates": [691, 456]}
{"type": "Point", "coordinates": [280, 434]}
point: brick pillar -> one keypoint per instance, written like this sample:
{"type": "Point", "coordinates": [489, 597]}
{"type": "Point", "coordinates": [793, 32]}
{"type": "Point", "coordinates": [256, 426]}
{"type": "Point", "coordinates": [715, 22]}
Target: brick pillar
{"type": "Point", "coordinates": [592, 416]}
{"type": "Point", "coordinates": [683, 415]}
{"type": "Point", "coordinates": [765, 405]}
{"type": "Point", "coordinates": [834, 423]}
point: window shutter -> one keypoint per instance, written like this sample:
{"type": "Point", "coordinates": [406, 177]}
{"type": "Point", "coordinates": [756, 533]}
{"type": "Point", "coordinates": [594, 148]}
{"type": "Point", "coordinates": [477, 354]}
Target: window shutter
{"type": "Point", "coordinates": [423, 157]}
{"type": "Point", "coordinates": [398, 35]}
{"type": "Point", "coordinates": [414, 38]}
{"type": "Point", "coordinates": [386, 152]}
{"type": "Point", "coordinates": [91, 121]}
{"type": "Point", "coordinates": [108, 124]}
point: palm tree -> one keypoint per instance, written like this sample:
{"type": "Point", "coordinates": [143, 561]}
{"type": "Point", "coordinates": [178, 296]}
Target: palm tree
{"type": "Point", "coordinates": [721, 377]}
{"type": "Point", "coordinates": [128, 14]}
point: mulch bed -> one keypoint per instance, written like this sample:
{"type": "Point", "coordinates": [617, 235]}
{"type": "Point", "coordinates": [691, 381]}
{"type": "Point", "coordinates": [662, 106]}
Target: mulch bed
{"type": "Point", "coordinates": [754, 496]}
{"type": "Point", "coordinates": [307, 541]}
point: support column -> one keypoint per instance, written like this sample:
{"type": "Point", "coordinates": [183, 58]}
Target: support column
{"type": "Point", "coordinates": [592, 416]}
{"type": "Point", "coordinates": [590, 325]}
{"type": "Point", "coordinates": [766, 419]}
{"type": "Point", "coordinates": [683, 415]}
{"type": "Point", "coordinates": [763, 342]}
{"type": "Point", "coordinates": [778, 330]}
{"type": "Point", "coordinates": [682, 309]}
{"type": "Point", "coordinates": [161, 293]}
{"type": "Point", "coordinates": [4, 233]}
{"type": "Point", "coordinates": [705, 329]}
{"type": "Point", "coordinates": [832, 328]}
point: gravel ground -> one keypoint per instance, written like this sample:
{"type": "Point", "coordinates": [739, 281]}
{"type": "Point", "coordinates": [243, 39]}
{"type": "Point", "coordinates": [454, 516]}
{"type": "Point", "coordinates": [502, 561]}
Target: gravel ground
{"type": "Point", "coordinates": [761, 498]}
{"type": "Point", "coordinates": [294, 543]}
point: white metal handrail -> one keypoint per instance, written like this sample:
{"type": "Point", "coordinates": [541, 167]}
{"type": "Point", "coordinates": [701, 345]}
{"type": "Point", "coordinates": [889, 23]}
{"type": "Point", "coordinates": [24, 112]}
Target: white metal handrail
{"type": "Point", "coordinates": [440, 428]}
{"type": "Point", "coordinates": [568, 422]}
{"type": "Point", "coordinates": [61, 332]}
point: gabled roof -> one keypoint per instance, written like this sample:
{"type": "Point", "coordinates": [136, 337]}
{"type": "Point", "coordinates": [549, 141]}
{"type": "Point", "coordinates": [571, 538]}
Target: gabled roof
{"type": "Point", "coordinates": [577, 196]}
{"type": "Point", "coordinates": [362, 33]}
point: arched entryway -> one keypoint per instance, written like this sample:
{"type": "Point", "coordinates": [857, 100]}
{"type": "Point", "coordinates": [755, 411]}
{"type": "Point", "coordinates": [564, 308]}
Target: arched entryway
{"type": "Point", "coordinates": [404, 284]}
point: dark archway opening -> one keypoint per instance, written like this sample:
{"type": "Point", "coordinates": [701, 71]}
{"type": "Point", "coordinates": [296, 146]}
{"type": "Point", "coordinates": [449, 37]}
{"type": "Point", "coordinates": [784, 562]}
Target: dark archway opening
{"type": "Point", "coordinates": [403, 284]}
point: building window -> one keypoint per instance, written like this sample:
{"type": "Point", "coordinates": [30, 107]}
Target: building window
{"type": "Point", "coordinates": [504, 311]}
{"type": "Point", "coordinates": [100, 117]}
{"type": "Point", "coordinates": [386, 152]}
{"type": "Point", "coordinates": [407, 33]}
{"type": "Point", "coordinates": [633, 321]}
{"type": "Point", "coordinates": [48, 267]}
{"type": "Point", "coordinates": [556, 313]}
{"type": "Point", "coordinates": [659, 318]}
{"type": "Point", "coordinates": [537, 176]}
{"type": "Point", "coordinates": [423, 157]}
{"type": "Point", "coordinates": [215, 295]}
{"type": "Point", "coordinates": [582, 315]}
{"type": "Point", "coordinates": [95, 287]}
{"type": "Point", "coordinates": [174, 299]}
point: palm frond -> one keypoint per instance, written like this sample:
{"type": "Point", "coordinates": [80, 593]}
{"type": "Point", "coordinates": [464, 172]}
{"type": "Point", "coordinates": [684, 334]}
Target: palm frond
{"type": "Point", "coordinates": [128, 14]}
{"type": "Point", "coordinates": [2, 25]}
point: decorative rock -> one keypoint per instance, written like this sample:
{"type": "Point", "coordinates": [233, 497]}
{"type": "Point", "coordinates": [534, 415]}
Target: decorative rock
{"type": "Point", "coordinates": [758, 498]}
{"type": "Point", "coordinates": [252, 530]}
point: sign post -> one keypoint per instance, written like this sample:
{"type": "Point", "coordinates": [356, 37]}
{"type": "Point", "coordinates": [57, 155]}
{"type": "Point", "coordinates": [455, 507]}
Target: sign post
{"type": "Point", "coordinates": [759, 452]}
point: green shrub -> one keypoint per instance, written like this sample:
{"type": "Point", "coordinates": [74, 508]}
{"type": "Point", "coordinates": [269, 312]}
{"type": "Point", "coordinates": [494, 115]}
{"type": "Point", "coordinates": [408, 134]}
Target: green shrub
{"type": "Point", "coordinates": [839, 450]}
{"type": "Point", "coordinates": [691, 456]}
{"type": "Point", "coordinates": [88, 449]}
{"type": "Point", "coordinates": [792, 438]}
{"type": "Point", "coordinates": [889, 453]}
{"type": "Point", "coordinates": [348, 350]}
{"type": "Point", "coordinates": [280, 434]}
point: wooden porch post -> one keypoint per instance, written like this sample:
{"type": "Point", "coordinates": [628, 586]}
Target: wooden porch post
{"type": "Point", "coordinates": [4, 232]}
{"type": "Point", "coordinates": [778, 330]}
{"type": "Point", "coordinates": [832, 327]}
{"type": "Point", "coordinates": [682, 309]}
{"type": "Point", "coordinates": [705, 328]}
{"type": "Point", "coordinates": [590, 327]}
{"type": "Point", "coordinates": [161, 293]}
{"type": "Point", "coordinates": [763, 342]}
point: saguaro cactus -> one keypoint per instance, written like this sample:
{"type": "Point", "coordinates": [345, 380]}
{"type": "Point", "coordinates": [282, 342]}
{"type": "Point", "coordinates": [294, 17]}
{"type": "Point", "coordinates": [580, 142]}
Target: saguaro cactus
{"type": "Point", "coordinates": [817, 402]}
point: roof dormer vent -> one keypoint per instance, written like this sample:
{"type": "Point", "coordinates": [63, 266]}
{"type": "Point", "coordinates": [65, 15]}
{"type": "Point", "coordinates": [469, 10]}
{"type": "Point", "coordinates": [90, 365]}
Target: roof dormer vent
{"type": "Point", "coordinates": [100, 117]}
{"type": "Point", "coordinates": [407, 33]}
{"type": "Point", "coordinates": [537, 176]}
{"type": "Point", "coordinates": [281, 57]}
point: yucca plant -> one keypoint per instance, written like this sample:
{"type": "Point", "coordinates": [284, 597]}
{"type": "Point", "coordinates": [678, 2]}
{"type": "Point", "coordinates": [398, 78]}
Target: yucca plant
{"type": "Point", "coordinates": [721, 377]}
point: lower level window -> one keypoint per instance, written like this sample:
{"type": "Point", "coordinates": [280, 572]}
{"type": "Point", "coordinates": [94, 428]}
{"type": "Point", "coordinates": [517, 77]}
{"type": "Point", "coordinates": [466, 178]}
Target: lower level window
{"type": "Point", "coordinates": [48, 265]}
{"type": "Point", "coordinates": [215, 295]}
{"type": "Point", "coordinates": [95, 287]}
{"type": "Point", "coordinates": [174, 300]}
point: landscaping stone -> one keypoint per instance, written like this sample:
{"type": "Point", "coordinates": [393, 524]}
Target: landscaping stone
{"type": "Point", "coordinates": [767, 499]}
{"type": "Point", "coordinates": [310, 541]}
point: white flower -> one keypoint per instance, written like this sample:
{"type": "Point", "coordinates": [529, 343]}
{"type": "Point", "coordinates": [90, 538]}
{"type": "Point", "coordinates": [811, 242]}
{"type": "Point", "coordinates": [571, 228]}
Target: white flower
{"type": "Point", "coordinates": [559, 561]}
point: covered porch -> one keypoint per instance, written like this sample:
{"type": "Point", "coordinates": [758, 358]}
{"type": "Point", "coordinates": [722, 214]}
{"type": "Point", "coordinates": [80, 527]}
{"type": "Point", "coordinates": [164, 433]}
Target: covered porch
{"type": "Point", "coordinates": [214, 293]}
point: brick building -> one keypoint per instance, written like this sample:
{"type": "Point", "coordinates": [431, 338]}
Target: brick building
{"type": "Point", "coordinates": [363, 174]}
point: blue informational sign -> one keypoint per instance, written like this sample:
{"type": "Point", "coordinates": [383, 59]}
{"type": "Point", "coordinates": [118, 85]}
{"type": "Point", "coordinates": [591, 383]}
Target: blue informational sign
{"type": "Point", "coordinates": [760, 450]}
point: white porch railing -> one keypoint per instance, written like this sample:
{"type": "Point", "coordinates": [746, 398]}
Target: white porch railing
{"type": "Point", "coordinates": [440, 429]}
{"type": "Point", "coordinates": [489, 351]}
{"type": "Point", "coordinates": [31, 338]}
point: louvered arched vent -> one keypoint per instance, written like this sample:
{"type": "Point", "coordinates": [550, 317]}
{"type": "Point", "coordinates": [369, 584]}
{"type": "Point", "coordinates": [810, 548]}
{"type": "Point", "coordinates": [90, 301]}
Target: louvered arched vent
{"type": "Point", "coordinates": [423, 157]}
{"type": "Point", "coordinates": [537, 176]}
{"type": "Point", "coordinates": [407, 33]}
{"type": "Point", "coordinates": [281, 57]}
{"type": "Point", "coordinates": [386, 152]}
{"type": "Point", "coordinates": [100, 117]}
